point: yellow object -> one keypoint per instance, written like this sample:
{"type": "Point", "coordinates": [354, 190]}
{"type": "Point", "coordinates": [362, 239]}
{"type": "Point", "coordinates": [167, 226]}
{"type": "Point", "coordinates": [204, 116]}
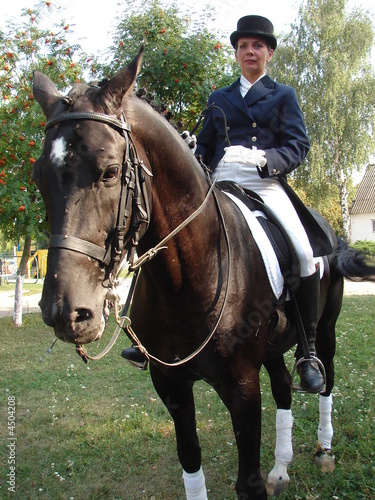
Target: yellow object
{"type": "Point", "coordinates": [38, 263]}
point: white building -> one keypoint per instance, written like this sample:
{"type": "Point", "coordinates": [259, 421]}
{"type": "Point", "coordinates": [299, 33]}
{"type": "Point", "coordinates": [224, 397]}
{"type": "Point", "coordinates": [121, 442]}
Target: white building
{"type": "Point", "coordinates": [362, 213]}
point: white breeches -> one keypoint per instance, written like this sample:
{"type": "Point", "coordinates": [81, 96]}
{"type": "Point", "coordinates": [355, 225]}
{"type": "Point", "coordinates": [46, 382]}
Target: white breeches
{"type": "Point", "coordinates": [274, 196]}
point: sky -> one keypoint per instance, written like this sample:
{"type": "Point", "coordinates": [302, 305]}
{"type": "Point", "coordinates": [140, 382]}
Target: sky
{"type": "Point", "coordinates": [94, 20]}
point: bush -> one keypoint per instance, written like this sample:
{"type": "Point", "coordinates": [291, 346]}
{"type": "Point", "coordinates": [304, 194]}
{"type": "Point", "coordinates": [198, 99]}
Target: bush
{"type": "Point", "coordinates": [365, 246]}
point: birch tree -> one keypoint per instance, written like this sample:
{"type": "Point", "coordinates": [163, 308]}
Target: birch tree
{"type": "Point", "coordinates": [327, 58]}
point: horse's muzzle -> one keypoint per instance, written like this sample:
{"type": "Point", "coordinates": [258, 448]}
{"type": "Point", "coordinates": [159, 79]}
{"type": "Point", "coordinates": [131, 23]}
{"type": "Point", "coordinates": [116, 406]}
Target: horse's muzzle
{"type": "Point", "coordinates": [76, 325]}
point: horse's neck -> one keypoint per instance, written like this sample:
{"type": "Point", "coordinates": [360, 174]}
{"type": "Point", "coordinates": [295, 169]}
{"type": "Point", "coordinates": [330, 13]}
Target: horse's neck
{"type": "Point", "coordinates": [179, 183]}
{"type": "Point", "coordinates": [179, 187]}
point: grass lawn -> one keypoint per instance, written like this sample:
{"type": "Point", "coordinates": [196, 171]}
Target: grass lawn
{"type": "Point", "coordinates": [98, 431]}
{"type": "Point", "coordinates": [29, 287]}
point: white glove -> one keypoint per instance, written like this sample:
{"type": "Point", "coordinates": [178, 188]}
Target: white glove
{"type": "Point", "coordinates": [190, 140]}
{"type": "Point", "coordinates": [239, 154]}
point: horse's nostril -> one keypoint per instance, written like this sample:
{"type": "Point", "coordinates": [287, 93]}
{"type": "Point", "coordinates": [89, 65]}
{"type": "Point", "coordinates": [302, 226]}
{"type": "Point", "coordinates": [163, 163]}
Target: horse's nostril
{"type": "Point", "coordinates": [83, 315]}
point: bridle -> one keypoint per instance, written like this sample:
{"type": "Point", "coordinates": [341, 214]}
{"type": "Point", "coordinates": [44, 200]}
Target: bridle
{"type": "Point", "coordinates": [133, 207]}
{"type": "Point", "coordinates": [132, 198]}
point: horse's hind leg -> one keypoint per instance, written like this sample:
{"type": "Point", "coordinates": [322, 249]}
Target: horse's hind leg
{"type": "Point", "coordinates": [323, 456]}
{"type": "Point", "coordinates": [278, 478]}
{"type": "Point", "coordinates": [177, 395]}
{"type": "Point", "coordinates": [242, 398]}
{"type": "Point", "coordinates": [325, 347]}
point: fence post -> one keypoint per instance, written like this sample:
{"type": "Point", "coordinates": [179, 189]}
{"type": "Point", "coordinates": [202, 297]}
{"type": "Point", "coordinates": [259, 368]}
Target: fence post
{"type": "Point", "coordinates": [2, 272]}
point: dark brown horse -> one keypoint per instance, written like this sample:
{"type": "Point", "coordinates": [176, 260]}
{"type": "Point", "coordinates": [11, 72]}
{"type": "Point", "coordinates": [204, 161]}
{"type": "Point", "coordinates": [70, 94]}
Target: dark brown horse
{"type": "Point", "coordinates": [108, 190]}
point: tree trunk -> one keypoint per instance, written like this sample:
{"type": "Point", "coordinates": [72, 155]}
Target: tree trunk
{"type": "Point", "coordinates": [21, 273]}
{"type": "Point", "coordinates": [344, 195]}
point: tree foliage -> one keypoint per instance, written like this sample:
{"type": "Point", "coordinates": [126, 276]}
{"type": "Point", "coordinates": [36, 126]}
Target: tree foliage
{"type": "Point", "coordinates": [183, 61]}
{"type": "Point", "coordinates": [25, 46]}
{"type": "Point", "coordinates": [326, 57]}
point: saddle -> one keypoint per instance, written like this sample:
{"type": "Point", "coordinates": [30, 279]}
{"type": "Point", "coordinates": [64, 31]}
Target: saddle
{"type": "Point", "coordinates": [290, 269]}
{"type": "Point", "coordinates": [283, 247]}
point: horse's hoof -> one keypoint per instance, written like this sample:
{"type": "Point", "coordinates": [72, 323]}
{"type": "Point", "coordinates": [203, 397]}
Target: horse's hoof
{"type": "Point", "coordinates": [324, 460]}
{"type": "Point", "coordinates": [276, 487]}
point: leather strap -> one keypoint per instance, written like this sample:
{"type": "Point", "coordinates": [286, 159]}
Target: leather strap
{"type": "Point", "coordinates": [99, 117]}
{"type": "Point", "coordinates": [81, 246]}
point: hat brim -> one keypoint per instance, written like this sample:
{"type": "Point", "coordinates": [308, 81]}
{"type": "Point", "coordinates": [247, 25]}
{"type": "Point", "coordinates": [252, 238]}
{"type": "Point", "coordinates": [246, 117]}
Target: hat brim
{"type": "Point", "coordinates": [236, 35]}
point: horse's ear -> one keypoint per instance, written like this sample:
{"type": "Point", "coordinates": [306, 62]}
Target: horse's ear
{"type": "Point", "coordinates": [45, 93]}
{"type": "Point", "coordinates": [121, 83]}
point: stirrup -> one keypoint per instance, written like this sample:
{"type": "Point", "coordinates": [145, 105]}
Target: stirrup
{"type": "Point", "coordinates": [139, 365]}
{"type": "Point", "coordinates": [312, 359]}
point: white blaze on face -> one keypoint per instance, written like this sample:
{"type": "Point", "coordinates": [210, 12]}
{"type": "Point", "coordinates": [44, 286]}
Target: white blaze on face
{"type": "Point", "coordinates": [58, 152]}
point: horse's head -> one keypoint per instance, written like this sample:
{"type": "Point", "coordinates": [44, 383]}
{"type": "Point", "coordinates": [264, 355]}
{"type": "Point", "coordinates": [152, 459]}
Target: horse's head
{"type": "Point", "coordinates": [89, 186]}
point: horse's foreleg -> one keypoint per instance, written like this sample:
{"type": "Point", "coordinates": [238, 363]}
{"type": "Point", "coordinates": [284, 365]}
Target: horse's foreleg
{"type": "Point", "coordinates": [278, 478]}
{"type": "Point", "coordinates": [177, 395]}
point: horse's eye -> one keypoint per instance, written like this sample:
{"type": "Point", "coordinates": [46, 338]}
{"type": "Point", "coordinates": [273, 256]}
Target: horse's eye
{"type": "Point", "coordinates": [110, 174]}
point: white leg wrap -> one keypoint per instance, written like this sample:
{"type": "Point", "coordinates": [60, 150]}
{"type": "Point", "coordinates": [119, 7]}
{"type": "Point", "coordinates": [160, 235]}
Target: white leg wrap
{"type": "Point", "coordinates": [325, 429]}
{"type": "Point", "coordinates": [278, 478]}
{"type": "Point", "coordinates": [195, 485]}
{"type": "Point", "coordinates": [284, 448]}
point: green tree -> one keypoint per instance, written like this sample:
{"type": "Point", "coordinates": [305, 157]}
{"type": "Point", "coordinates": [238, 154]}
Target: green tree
{"type": "Point", "coordinates": [182, 61]}
{"type": "Point", "coordinates": [25, 47]}
{"type": "Point", "coordinates": [326, 57]}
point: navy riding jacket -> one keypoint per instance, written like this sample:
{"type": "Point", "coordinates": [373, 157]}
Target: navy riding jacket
{"type": "Point", "coordinates": [268, 117]}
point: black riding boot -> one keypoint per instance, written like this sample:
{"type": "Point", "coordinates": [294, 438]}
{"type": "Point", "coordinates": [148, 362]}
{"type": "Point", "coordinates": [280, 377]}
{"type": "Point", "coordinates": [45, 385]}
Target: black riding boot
{"type": "Point", "coordinates": [307, 297]}
{"type": "Point", "coordinates": [135, 357]}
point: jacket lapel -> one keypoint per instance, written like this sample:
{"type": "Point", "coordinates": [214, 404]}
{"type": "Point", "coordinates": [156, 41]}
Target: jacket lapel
{"type": "Point", "coordinates": [257, 92]}
{"type": "Point", "coordinates": [233, 95]}
{"type": "Point", "coordinates": [260, 89]}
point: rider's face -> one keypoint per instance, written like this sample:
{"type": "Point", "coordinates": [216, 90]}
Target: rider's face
{"type": "Point", "coordinates": [252, 55]}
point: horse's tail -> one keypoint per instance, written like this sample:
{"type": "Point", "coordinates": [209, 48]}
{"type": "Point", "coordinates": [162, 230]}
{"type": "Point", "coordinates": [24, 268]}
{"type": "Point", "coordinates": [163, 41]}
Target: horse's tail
{"type": "Point", "coordinates": [352, 264]}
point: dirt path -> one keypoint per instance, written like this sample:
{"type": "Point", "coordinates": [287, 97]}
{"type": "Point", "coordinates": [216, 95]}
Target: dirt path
{"type": "Point", "coordinates": [30, 300]}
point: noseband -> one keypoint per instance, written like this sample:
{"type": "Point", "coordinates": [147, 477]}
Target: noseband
{"type": "Point", "coordinates": [133, 197]}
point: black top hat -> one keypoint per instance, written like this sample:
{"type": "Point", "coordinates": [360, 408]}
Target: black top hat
{"type": "Point", "coordinates": [257, 26]}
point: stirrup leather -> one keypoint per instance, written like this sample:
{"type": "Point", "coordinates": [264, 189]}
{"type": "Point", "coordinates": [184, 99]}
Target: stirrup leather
{"type": "Point", "coordinates": [312, 359]}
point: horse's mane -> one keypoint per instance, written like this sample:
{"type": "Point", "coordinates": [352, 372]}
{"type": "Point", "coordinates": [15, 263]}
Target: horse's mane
{"type": "Point", "coordinates": [160, 107]}
{"type": "Point", "coordinates": [151, 99]}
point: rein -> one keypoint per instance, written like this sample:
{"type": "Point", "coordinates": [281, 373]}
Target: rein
{"type": "Point", "coordinates": [129, 329]}
{"type": "Point", "coordinates": [130, 197]}
{"type": "Point", "coordinates": [137, 267]}
{"type": "Point", "coordinates": [160, 246]}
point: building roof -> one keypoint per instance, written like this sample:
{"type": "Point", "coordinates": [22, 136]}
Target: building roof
{"type": "Point", "coordinates": [365, 197]}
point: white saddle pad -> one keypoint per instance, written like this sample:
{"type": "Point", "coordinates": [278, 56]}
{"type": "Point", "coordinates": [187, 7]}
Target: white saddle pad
{"type": "Point", "coordinates": [270, 261]}
{"type": "Point", "coordinates": [268, 254]}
